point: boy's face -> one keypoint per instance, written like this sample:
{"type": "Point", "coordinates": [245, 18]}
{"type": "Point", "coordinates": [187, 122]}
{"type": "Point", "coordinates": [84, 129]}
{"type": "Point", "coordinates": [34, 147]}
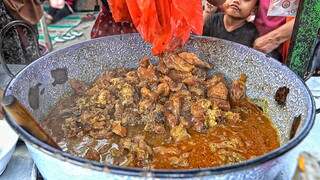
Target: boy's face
{"type": "Point", "coordinates": [239, 8]}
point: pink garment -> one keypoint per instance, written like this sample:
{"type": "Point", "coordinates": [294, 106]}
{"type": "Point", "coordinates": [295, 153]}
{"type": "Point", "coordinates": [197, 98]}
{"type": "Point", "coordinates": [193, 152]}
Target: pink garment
{"type": "Point", "coordinates": [70, 2]}
{"type": "Point", "coordinates": [265, 23]}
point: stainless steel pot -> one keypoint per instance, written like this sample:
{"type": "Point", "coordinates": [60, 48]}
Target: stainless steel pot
{"type": "Point", "coordinates": [44, 82]}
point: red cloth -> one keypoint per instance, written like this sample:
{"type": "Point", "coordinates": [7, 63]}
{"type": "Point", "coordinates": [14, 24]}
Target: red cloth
{"type": "Point", "coordinates": [165, 24]}
{"type": "Point", "coordinates": [105, 25]}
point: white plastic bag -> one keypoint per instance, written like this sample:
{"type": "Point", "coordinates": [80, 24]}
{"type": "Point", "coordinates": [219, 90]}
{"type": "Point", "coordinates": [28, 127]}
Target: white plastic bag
{"type": "Point", "coordinates": [283, 8]}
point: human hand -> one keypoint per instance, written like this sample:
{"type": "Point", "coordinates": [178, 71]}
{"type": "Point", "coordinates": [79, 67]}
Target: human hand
{"type": "Point", "coordinates": [208, 11]}
{"type": "Point", "coordinates": [58, 4]}
{"type": "Point", "coordinates": [1, 112]}
{"type": "Point", "coordinates": [266, 43]}
{"type": "Point", "coordinates": [209, 8]}
{"type": "Point", "coordinates": [216, 2]}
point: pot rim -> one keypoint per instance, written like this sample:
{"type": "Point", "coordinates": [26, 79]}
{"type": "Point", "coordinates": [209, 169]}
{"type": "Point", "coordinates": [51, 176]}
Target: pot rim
{"type": "Point", "coordinates": [128, 171]}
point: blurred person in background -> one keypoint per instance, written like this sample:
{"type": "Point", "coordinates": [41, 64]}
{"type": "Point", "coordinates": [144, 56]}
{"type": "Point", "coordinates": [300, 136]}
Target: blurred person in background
{"type": "Point", "coordinates": [20, 45]}
{"type": "Point", "coordinates": [274, 31]}
{"type": "Point", "coordinates": [232, 25]}
{"type": "Point", "coordinates": [59, 9]}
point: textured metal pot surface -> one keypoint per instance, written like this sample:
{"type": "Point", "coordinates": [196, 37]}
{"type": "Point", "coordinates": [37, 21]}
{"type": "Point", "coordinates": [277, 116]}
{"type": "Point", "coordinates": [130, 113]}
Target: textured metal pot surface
{"type": "Point", "coordinates": [43, 83]}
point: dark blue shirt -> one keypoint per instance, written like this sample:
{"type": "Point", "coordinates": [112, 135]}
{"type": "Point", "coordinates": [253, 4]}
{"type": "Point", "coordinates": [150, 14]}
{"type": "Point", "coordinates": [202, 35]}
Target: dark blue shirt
{"type": "Point", "coordinates": [246, 34]}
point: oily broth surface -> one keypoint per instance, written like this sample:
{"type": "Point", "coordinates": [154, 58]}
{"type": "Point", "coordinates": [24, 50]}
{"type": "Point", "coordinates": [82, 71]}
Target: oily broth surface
{"type": "Point", "coordinates": [256, 134]}
{"type": "Point", "coordinates": [172, 115]}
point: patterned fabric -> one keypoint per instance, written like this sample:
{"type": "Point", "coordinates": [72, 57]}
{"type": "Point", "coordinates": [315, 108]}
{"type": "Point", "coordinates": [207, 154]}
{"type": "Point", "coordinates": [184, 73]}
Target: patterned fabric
{"type": "Point", "coordinates": [105, 25]}
{"type": "Point", "coordinates": [18, 44]}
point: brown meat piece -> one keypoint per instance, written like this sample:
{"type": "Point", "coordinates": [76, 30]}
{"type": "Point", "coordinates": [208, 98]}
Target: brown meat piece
{"type": "Point", "coordinates": [231, 117]}
{"type": "Point", "coordinates": [281, 95]}
{"type": "Point", "coordinates": [198, 124]}
{"type": "Point", "coordinates": [218, 77]}
{"type": "Point", "coordinates": [101, 134]}
{"type": "Point", "coordinates": [179, 133]}
{"type": "Point", "coordinates": [163, 89]}
{"type": "Point", "coordinates": [178, 75]}
{"type": "Point", "coordinates": [99, 125]}
{"type": "Point", "coordinates": [172, 85]}
{"type": "Point", "coordinates": [221, 103]}
{"type": "Point", "coordinates": [219, 90]}
{"type": "Point", "coordinates": [176, 105]}
{"type": "Point", "coordinates": [92, 154]}
{"type": "Point", "coordinates": [200, 73]}
{"type": "Point", "coordinates": [197, 90]}
{"type": "Point", "coordinates": [191, 58]}
{"type": "Point", "coordinates": [79, 87]}
{"type": "Point", "coordinates": [192, 80]}
{"type": "Point", "coordinates": [238, 89]}
{"type": "Point", "coordinates": [132, 77]}
{"type": "Point", "coordinates": [130, 118]}
{"type": "Point", "coordinates": [154, 118]}
{"type": "Point", "coordinates": [176, 62]}
{"type": "Point", "coordinates": [147, 75]}
{"type": "Point", "coordinates": [178, 161]}
{"type": "Point", "coordinates": [161, 67]}
{"type": "Point", "coordinates": [170, 120]}
{"type": "Point", "coordinates": [145, 62]}
{"type": "Point", "coordinates": [120, 130]}
{"type": "Point", "coordinates": [177, 100]}
{"type": "Point", "coordinates": [166, 150]}
{"type": "Point", "coordinates": [199, 108]}
{"type": "Point", "coordinates": [141, 149]}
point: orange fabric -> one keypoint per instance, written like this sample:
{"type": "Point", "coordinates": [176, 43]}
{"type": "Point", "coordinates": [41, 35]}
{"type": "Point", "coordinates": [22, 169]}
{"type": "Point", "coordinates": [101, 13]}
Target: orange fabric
{"type": "Point", "coordinates": [286, 45]}
{"type": "Point", "coordinates": [166, 24]}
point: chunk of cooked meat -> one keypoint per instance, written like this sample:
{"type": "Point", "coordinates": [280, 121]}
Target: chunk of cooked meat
{"type": "Point", "coordinates": [219, 90]}
{"type": "Point", "coordinates": [172, 85]}
{"type": "Point", "coordinates": [79, 87]}
{"type": "Point", "coordinates": [179, 133]}
{"type": "Point", "coordinates": [166, 150]}
{"type": "Point", "coordinates": [120, 130]}
{"type": "Point", "coordinates": [191, 58]}
{"type": "Point", "coordinates": [281, 95]}
{"type": "Point", "coordinates": [238, 89]}
{"type": "Point", "coordinates": [178, 161]}
{"type": "Point", "coordinates": [132, 117]}
{"type": "Point", "coordinates": [179, 75]}
{"type": "Point", "coordinates": [146, 72]}
{"type": "Point", "coordinates": [170, 119]}
{"type": "Point", "coordinates": [93, 155]}
{"type": "Point", "coordinates": [176, 62]}
{"type": "Point", "coordinates": [221, 103]}
{"type": "Point", "coordinates": [213, 80]}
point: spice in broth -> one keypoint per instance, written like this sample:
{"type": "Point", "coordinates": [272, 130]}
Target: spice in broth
{"type": "Point", "coordinates": [172, 115]}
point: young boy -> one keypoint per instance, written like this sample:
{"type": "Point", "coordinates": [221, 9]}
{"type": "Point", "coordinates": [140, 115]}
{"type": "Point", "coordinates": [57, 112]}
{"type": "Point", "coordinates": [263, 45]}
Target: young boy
{"type": "Point", "coordinates": [232, 25]}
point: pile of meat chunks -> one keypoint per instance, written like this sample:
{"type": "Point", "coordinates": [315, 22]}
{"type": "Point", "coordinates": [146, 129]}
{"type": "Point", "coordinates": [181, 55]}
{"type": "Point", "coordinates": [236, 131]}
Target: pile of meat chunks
{"type": "Point", "coordinates": [174, 96]}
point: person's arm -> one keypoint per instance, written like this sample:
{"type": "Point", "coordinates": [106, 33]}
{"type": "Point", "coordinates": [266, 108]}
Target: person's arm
{"type": "Point", "coordinates": [208, 10]}
{"type": "Point", "coordinates": [273, 39]}
{"type": "Point", "coordinates": [216, 2]}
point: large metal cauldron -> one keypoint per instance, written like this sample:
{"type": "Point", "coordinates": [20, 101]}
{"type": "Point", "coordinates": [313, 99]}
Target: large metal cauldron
{"type": "Point", "coordinates": [43, 83]}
